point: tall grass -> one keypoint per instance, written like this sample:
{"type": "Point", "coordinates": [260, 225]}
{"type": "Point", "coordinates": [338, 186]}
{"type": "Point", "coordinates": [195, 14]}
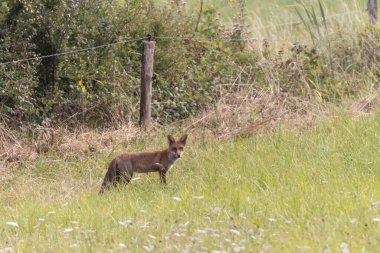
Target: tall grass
{"type": "Point", "coordinates": [280, 192]}
{"type": "Point", "coordinates": [278, 21]}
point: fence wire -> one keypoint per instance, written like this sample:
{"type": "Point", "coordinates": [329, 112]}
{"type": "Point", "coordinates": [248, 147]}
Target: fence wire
{"type": "Point", "coordinates": [72, 51]}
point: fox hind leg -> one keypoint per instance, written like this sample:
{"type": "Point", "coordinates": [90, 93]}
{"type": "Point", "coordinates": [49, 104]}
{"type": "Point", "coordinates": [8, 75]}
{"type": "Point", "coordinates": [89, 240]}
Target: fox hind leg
{"type": "Point", "coordinates": [107, 181]}
{"type": "Point", "coordinates": [112, 176]}
{"type": "Point", "coordinates": [126, 177]}
{"type": "Point", "coordinates": [124, 172]}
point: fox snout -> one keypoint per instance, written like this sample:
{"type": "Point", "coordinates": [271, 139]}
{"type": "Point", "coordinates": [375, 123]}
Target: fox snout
{"type": "Point", "coordinates": [176, 154]}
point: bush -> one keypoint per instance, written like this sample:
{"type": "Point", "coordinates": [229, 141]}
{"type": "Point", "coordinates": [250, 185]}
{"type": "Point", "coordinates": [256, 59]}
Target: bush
{"type": "Point", "coordinates": [101, 87]}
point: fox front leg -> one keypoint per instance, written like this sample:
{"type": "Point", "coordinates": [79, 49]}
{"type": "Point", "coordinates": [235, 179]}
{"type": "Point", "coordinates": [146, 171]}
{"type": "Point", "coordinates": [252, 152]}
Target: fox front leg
{"type": "Point", "coordinates": [163, 177]}
{"type": "Point", "coordinates": [161, 170]}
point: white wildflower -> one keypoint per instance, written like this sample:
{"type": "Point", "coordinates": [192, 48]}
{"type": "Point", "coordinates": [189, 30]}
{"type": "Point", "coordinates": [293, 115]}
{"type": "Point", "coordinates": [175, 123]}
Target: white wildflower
{"type": "Point", "coordinates": [12, 224]}
{"type": "Point", "coordinates": [68, 230]}
{"type": "Point", "coordinates": [201, 231]}
{"type": "Point", "coordinates": [122, 246]}
{"type": "Point", "coordinates": [344, 247]}
{"type": "Point", "coordinates": [176, 198]}
{"type": "Point", "coordinates": [185, 224]}
{"type": "Point", "coordinates": [235, 232]}
{"type": "Point", "coordinates": [7, 250]}
{"type": "Point", "coordinates": [149, 248]}
{"type": "Point", "coordinates": [239, 248]}
{"type": "Point", "coordinates": [125, 223]}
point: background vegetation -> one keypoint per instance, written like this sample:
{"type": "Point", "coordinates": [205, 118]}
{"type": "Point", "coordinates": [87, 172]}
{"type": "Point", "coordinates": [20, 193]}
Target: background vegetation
{"type": "Point", "coordinates": [103, 85]}
{"type": "Point", "coordinates": [322, 58]}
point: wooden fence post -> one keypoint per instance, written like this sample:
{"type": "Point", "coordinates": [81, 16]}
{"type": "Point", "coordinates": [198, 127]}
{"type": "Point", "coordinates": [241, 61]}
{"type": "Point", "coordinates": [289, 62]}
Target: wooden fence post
{"type": "Point", "coordinates": [372, 11]}
{"type": "Point", "coordinates": [146, 85]}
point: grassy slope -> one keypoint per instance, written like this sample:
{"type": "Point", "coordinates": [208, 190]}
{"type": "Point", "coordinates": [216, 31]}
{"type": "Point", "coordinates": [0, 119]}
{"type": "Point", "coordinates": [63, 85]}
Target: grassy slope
{"type": "Point", "coordinates": [281, 10]}
{"type": "Point", "coordinates": [270, 19]}
{"type": "Point", "coordinates": [281, 192]}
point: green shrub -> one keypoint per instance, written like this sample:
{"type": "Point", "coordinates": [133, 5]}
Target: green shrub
{"type": "Point", "coordinates": [101, 87]}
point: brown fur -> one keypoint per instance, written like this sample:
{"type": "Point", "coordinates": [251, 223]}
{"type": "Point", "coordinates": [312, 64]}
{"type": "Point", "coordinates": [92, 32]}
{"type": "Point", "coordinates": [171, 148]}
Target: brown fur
{"type": "Point", "coordinates": [122, 167]}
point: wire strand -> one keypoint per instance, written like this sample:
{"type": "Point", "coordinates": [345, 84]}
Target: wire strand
{"type": "Point", "coordinates": [204, 39]}
{"type": "Point", "coordinates": [71, 52]}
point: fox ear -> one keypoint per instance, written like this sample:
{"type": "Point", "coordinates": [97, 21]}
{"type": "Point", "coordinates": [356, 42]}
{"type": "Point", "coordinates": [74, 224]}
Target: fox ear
{"type": "Point", "coordinates": [183, 139]}
{"type": "Point", "coordinates": [171, 139]}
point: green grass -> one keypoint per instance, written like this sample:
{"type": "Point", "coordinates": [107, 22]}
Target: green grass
{"type": "Point", "coordinates": [280, 192]}
{"type": "Point", "coordinates": [282, 11]}
{"type": "Point", "coordinates": [278, 22]}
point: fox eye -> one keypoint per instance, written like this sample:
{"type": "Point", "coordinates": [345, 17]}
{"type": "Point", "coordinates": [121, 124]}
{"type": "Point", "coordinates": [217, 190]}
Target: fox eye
{"type": "Point", "coordinates": [174, 149]}
{"type": "Point", "coordinates": [180, 148]}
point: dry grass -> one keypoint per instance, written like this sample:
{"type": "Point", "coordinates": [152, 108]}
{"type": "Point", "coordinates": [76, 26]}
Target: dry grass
{"type": "Point", "coordinates": [61, 142]}
{"type": "Point", "coordinates": [81, 142]}
{"type": "Point", "coordinates": [365, 105]}
{"type": "Point", "coordinates": [238, 113]}
{"type": "Point", "coordinates": [11, 146]}
{"type": "Point", "coordinates": [251, 111]}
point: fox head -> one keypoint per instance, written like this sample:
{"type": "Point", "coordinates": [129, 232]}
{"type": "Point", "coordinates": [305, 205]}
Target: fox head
{"type": "Point", "coordinates": [176, 148]}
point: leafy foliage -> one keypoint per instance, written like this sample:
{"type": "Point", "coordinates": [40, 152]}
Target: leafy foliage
{"type": "Point", "coordinates": [101, 87]}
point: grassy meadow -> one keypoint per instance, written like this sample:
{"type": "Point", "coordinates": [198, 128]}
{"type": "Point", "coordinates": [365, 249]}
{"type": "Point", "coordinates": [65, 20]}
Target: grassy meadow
{"type": "Point", "coordinates": [278, 21]}
{"type": "Point", "coordinates": [287, 191]}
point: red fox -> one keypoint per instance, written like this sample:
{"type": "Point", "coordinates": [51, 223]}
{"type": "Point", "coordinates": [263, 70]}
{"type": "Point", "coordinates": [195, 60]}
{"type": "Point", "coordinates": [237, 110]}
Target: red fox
{"type": "Point", "coordinates": [122, 167]}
